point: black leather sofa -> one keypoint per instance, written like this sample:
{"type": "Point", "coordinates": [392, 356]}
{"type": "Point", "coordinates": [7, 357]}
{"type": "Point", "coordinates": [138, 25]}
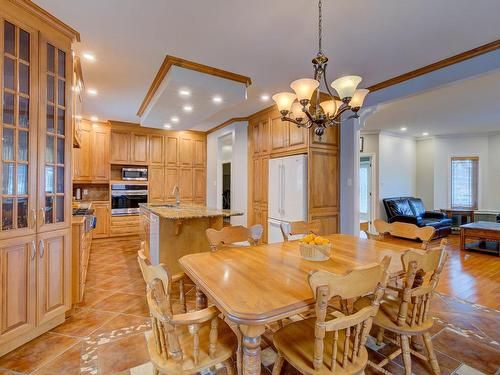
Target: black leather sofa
{"type": "Point", "coordinates": [412, 210]}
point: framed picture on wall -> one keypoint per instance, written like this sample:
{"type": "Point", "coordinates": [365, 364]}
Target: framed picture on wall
{"type": "Point", "coordinates": [361, 144]}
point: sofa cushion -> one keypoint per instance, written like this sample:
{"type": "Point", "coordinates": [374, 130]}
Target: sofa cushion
{"type": "Point", "coordinates": [437, 223]}
{"type": "Point", "coordinates": [400, 207]}
{"type": "Point", "coordinates": [418, 206]}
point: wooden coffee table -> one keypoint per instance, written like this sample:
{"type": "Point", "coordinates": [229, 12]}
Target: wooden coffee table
{"type": "Point", "coordinates": [485, 233]}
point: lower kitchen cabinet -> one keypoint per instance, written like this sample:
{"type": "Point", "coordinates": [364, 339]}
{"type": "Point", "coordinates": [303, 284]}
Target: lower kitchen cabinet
{"type": "Point", "coordinates": [80, 253]}
{"type": "Point", "coordinates": [102, 212]}
{"type": "Point", "coordinates": [128, 225]}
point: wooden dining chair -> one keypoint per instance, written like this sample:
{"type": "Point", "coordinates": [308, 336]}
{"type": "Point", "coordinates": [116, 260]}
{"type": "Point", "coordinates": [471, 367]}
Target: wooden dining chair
{"type": "Point", "coordinates": [237, 235]}
{"type": "Point", "coordinates": [179, 278]}
{"type": "Point", "coordinates": [337, 346]}
{"type": "Point", "coordinates": [408, 315]}
{"type": "Point", "coordinates": [300, 227]}
{"type": "Point", "coordinates": [405, 230]}
{"type": "Point", "coordinates": [184, 343]}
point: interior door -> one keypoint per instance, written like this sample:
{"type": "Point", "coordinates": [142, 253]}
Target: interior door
{"type": "Point", "coordinates": [18, 127]}
{"type": "Point", "coordinates": [365, 189]}
{"type": "Point", "coordinates": [53, 286]}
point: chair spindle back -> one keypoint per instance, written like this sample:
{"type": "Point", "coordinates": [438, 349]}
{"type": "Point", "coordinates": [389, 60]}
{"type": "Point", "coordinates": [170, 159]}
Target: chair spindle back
{"type": "Point", "coordinates": [300, 227]}
{"type": "Point", "coordinates": [233, 234]}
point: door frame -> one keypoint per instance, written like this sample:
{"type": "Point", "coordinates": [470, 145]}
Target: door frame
{"type": "Point", "coordinates": [374, 179]}
{"type": "Point", "coordinates": [221, 161]}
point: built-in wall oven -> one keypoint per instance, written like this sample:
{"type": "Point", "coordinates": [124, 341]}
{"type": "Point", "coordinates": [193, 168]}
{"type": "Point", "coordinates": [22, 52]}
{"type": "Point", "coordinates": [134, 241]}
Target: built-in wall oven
{"type": "Point", "coordinates": [125, 198]}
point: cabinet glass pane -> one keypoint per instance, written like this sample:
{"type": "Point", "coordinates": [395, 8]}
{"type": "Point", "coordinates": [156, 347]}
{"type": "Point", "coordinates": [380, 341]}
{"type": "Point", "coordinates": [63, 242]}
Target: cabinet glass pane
{"type": "Point", "coordinates": [8, 179]}
{"type": "Point", "coordinates": [59, 209]}
{"type": "Point", "coordinates": [24, 78]}
{"type": "Point", "coordinates": [49, 179]}
{"type": "Point", "coordinates": [50, 88]}
{"type": "Point", "coordinates": [49, 149]}
{"type": "Point", "coordinates": [60, 121]}
{"type": "Point", "coordinates": [50, 118]}
{"type": "Point", "coordinates": [60, 179]}
{"type": "Point", "coordinates": [50, 58]}
{"type": "Point", "coordinates": [61, 64]}
{"type": "Point", "coordinates": [60, 151]}
{"type": "Point", "coordinates": [8, 73]}
{"type": "Point", "coordinates": [24, 45]}
{"type": "Point", "coordinates": [22, 212]}
{"type": "Point", "coordinates": [22, 145]}
{"type": "Point", "coordinates": [61, 92]}
{"type": "Point", "coordinates": [8, 144]}
{"type": "Point", "coordinates": [9, 38]}
{"type": "Point", "coordinates": [7, 213]}
{"type": "Point", "coordinates": [22, 179]}
{"type": "Point", "coordinates": [24, 112]}
{"type": "Point", "coordinates": [8, 108]}
{"type": "Point", "coordinates": [49, 210]}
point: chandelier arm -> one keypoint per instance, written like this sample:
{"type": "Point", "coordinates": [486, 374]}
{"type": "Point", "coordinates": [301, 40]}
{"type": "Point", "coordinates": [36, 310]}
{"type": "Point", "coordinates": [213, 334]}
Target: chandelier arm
{"type": "Point", "coordinates": [307, 124]}
{"type": "Point", "coordinates": [326, 83]}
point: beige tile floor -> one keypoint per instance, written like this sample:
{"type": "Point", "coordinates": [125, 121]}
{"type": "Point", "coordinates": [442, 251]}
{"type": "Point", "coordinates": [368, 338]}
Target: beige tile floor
{"type": "Point", "coordinates": [107, 334]}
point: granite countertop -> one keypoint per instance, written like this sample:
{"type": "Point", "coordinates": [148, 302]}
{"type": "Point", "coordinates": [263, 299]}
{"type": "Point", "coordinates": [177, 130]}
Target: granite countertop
{"type": "Point", "coordinates": [186, 211]}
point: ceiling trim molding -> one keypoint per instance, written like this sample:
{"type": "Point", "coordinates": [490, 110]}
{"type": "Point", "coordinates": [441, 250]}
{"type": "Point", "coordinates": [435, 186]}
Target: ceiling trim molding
{"type": "Point", "coordinates": [227, 123]}
{"type": "Point", "coordinates": [437, 65]}
{"type": "Point", "coordinates": [55, 22]}
{"type": "Point", "coordinates": [171, 61]}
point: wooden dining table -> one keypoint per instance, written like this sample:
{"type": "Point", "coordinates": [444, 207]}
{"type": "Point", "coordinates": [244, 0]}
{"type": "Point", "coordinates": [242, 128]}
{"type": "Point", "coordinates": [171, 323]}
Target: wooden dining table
{"type": "Point", "coordinates": [258, 285]}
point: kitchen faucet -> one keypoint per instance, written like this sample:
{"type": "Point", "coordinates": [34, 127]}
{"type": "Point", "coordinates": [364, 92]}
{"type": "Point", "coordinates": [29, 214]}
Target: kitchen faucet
{"type": "Point", "coordinates": [176, 191]}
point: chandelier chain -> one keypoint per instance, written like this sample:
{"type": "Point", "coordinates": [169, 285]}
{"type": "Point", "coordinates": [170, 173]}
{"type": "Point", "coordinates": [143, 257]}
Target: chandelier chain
{"type": "Point", "coordinates": [320, 27]}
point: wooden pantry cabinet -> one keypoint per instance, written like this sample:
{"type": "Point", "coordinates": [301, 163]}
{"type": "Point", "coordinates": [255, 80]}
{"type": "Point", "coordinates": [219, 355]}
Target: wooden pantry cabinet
{"type": "Point", "coordinates": [36, 76]}
{"type": "Point", "coordinates": [269, 137]}
{"type": "Point", "coordinates": [91, 161]}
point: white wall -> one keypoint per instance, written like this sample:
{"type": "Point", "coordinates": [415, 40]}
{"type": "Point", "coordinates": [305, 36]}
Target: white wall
{"type": "Point", "coordinates": [397, 167]}
{"type": "Point", "coordinates": [425, 172]}
{"type": "Point", "coordinates": [239, 167]}
{"type": "Point", "coordinates": [494, 172]}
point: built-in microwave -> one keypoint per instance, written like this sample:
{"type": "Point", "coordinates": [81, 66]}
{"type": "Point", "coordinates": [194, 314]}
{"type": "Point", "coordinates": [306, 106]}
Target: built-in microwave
{"type": "Point", "coordinates": [135, 174]}
{"type": "Point", "coordinates": [125, 198]}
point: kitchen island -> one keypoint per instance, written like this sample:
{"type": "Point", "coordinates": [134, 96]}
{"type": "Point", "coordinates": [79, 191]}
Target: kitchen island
{"type": "Point", "coordinates": [171, 231]}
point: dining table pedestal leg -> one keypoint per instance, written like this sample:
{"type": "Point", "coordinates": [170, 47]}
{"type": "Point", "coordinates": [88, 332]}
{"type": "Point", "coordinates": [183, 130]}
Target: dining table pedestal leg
{"type": "Point", "coordinates": [201, 300]}
{"type": "Point", "coordinates": [251, 349]}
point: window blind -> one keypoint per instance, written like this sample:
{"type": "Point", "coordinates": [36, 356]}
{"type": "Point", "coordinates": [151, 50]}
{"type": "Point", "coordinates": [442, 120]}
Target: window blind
{"type": "Point", "coordinates": [464, 181]}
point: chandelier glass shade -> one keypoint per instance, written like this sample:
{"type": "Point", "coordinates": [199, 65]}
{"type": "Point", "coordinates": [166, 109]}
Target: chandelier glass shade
{"type": "Point", "coordinates": [300, 107]}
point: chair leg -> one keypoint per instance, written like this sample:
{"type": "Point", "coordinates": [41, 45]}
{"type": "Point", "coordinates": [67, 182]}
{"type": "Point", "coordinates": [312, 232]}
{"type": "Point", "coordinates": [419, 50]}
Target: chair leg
{"type": "Point", "coordinates": [182, 296]}
{"type": "Point", "coordinates": [278, 364]}
{"type": "Point", "coordinates": [156, 371]}
{"type": "Point", "coordinates": [430, 353]}
{"type": "Point", "coordinates": [228, 364]}
{"type": "Point", "coordinates": [380, 336]}
{"type": "Point", "coordinates": [405, 347]}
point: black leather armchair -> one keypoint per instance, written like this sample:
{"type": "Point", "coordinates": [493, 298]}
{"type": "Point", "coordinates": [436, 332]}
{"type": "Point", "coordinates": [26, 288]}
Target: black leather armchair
{"type": "Point", "coordinates": [412, 210]}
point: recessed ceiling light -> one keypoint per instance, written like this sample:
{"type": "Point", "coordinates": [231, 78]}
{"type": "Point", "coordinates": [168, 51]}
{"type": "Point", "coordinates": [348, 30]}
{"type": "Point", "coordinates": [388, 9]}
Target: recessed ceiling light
{"type": "Point", "coordinates": [403, 129]}
{"type": "Point", "coordinates": [94, 118]}
{"type": "Point", "coordinates": [167, 126]}
{"type": "Point", "coordinates": [187, 108]}
{"type": "Point", "coordinates": [425, 134]}
{"type": "Point", "coordinates": [217, 99]}
{"type": "Point", "coordinates": [174, 119]}
{"type": "Point", "coordinates": [264, 97]}
{"type": "Point", "coordinates": [184, 93]}
{"type": "Point", "coordinates": [88, 56]}
{"type": "Point", "coordinates": [92, 92]}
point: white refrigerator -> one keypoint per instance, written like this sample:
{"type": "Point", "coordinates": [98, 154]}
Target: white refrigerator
{"type": "Point", "coordinates": [287, 193]}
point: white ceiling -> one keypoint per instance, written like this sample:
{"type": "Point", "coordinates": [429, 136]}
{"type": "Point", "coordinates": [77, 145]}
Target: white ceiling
{"type": "Point", "coordinates": [467, 106]}
{"type": "Point", "coordinates": [270, 41]}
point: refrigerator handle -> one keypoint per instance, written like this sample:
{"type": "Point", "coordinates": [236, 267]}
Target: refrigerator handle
{"type": "Point", "coordinates": [283, 190]}
{"type": "Point", "coordinates": [280, 189]}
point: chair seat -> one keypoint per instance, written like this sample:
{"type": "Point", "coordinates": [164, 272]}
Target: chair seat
{"type": "Point", "coordinates": [226, 346]}
{"type": "Point", "coordinates": [296, 343]}
{"type": "Point", "coordinates": [387, 316]}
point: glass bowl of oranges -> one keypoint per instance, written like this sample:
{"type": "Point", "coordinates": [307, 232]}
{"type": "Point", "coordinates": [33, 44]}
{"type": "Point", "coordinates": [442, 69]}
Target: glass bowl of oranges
{"type": "Point", "coordinates": [315, 248]}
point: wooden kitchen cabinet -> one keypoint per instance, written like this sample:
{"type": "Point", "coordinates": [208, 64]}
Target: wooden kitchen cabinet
{"type": "Point", "coordinates": [102, 212]}
{"type": "Point", "coordinates": [186, 151]}
{"type": "Point", "coordinates": [171, 179]}
{"type": "Point", "coordinates": [54, 274]}
{"type": "Point", "coordinates": [82, 156]}
{"type": "Point", "coordinates": [100, 169]}
{"type": "Point", "coordinates": [171, 151]}
{"type": "Point", "coordinates": [81, 241]}
{"type": "Point", "coordinates": [120, 146]}
{"type": "Point", "coordinates": [285, 136]}
{"type": "Point", "coordinates": [199, 153]}
{"type": "Point", "coordinates": [156, 190]}
{"type": "Point", "coordinates": [186, 184]}
{"type": "Point", "coordinates": [156, 150]}
{"type": "Point", "coordinates": [199, 183]}
{"type": "Point", "coordinates": [139, 152]}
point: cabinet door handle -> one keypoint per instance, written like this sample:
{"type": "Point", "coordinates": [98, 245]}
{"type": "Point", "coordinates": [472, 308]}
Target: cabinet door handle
{"type": "Point", "coordinates": [42, 215]}
{"type": "Point", "coordinates": [33, 249]}
{"type": "Point", "coordinates": [42, 248]}
{"type": "Point", "coordinates": [33, 218]}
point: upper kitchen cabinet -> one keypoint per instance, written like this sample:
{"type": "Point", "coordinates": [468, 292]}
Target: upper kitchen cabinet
{"type": "Point", "coordinates": [156, 150]}
{"type": "Point", "coordinates": [186, 151]}
{"type": "Point", "coordinates": [120, 146]}
{"type": "Point", "coordinates": [91, 160]}
{"type": "Point", "coordinates": [19, 109]}
{"type": "Point", "coordinates": [171, 150]}
{"type": "Point", "coordinates": [55, 137]}
{"type": "Point", "coordinates": [285, 136]}
{"type": "Point", "coordinates": [139, 149]}
{"type": "Point", "coordinates": [260, 134]}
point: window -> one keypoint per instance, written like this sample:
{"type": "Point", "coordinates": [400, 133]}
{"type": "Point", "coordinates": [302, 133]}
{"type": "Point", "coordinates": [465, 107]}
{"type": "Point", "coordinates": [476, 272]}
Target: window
{"type": "Point", "coordinates": [464, 176]}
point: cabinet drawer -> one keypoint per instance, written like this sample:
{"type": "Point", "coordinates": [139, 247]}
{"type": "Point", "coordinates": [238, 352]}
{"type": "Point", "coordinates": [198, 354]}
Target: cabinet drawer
{"type": "Point", "coordinates": [125, 225]}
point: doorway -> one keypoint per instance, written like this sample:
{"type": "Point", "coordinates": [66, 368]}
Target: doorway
{"type": "Point", "coordinates": [366, 192]}
{"type": "Point", "coordinates": [226, 186]}
{"type": "Point", "coordinates": [224, 172]}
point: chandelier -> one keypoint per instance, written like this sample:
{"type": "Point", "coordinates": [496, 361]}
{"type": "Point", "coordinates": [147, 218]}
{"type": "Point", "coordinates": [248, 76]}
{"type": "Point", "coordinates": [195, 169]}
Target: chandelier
{"type": "Point", "coordinates": [300, 110]}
